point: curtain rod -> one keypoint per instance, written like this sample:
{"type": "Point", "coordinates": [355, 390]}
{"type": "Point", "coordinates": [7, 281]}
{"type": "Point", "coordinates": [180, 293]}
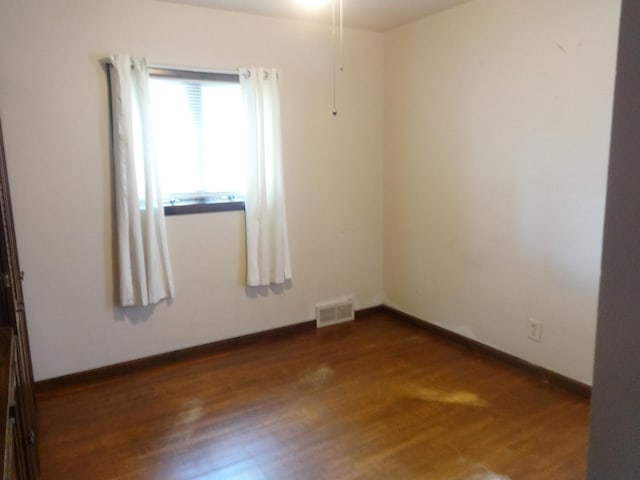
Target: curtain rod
{"type": "Point", "coordinates": [186, 72]}
{"type": "Point", "coordinates": [194, 74]}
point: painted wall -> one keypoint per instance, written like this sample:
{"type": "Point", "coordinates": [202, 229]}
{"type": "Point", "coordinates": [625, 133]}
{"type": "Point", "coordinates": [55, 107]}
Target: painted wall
{"type": "Point", "coordinates": [615, 417]}
{"type": "Point", "coordinates": [54, 106]}
{"type": "Point", "coordinates": [497, 123]}
{"type": "Point", "coordinates": [493, 120]}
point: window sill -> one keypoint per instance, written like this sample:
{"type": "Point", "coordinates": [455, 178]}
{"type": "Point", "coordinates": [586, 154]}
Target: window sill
{"type": "Point", "coordinates": [188, 208]}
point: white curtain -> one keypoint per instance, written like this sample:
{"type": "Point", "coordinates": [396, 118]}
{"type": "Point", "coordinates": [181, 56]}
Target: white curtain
{"type": "Point", "coordinates": [268, 260]}
{"type": "Point", "coordinates": [143, 256]}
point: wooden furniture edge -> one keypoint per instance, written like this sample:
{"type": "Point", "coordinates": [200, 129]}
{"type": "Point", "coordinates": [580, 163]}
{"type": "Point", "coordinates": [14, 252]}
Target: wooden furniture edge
{"type": "Point", "coordinates": [548, 376]}
{"type": "Point", "coordinates": [6, 373]}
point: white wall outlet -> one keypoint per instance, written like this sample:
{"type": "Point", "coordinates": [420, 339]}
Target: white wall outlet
{"type": "Point", "coordinates": [534, 330]}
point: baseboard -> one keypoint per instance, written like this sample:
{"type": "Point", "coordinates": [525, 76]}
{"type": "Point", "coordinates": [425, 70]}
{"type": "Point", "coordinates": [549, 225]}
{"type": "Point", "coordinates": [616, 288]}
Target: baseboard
{"type": "Point", "coordinates": [364, 313]}
{"type": "Point", "coordinates": [191, 353]}
{"type": "Point", "coordinates": [544, 374]}
{"type": "Point", "coordinates": [110, 371]}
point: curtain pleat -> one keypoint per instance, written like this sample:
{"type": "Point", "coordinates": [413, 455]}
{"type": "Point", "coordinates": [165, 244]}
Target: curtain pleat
{"type": "Point", "coordinates": [268, 258]}
{"type": "Point", "coordinates": [145, 275]}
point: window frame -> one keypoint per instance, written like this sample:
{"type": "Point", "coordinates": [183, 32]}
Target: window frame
{"type": "Point", "coordinates": [197, 203]}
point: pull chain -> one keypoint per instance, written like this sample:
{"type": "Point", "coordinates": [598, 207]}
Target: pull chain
{"type": "Point", "coordinates": [337, 51]}
{"type": "Point", "coordinates": [341, 35]}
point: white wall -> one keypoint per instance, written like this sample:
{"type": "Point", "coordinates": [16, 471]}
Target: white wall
{"type": "Point", "coordinates": [493, 118]}
{"type": "Point", "coordinates": [53, 100]}
{"type": "Point", "coordinates": [497, 123]}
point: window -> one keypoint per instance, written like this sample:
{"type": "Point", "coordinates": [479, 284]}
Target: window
{"type": "Point", "coordinates": [145, 270]}
{"type": "Point", "coordinates": [199, 132]}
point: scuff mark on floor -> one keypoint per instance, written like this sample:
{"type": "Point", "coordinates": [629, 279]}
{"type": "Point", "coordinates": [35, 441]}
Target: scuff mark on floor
{"type": "Point", "coordinates": [458, 397]}
{"type": "Point", "coordinates": [484, 474]}
{"type": "Point", "coordinates": [192, 411]}
{"type": "Point", "coordinates": [318, 376]}
{"type": "Point", "coordinates": [488, 476]}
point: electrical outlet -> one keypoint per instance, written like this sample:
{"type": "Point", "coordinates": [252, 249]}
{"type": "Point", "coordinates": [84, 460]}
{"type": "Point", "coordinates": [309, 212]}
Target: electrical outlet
{"type": "Point", "coordinates": [534, 330]}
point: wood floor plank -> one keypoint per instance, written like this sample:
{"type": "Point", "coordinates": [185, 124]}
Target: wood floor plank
{"type": "Point", "coordinates": [378, 398]}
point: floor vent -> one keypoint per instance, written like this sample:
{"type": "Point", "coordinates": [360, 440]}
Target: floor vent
{"type": "Point", "coordinates": [331, 313]}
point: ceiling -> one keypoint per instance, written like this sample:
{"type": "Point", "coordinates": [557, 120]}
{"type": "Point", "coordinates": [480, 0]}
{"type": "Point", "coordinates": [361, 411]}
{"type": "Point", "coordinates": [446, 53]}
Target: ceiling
{"type": "Point", "coordinates": [377, 15]}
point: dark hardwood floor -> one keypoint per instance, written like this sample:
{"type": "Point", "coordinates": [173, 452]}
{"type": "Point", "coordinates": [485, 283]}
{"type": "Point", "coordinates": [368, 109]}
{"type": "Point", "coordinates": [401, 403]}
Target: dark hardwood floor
{"type": "Point", "coordinates": [374, 399]}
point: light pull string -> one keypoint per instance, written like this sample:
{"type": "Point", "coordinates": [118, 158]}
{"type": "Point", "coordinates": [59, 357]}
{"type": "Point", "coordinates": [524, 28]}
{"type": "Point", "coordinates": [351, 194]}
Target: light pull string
{"type": "Point", "coordinates": [333, 51]}
{"type": "Point", "coordinates": [337, 50]}
{"type": "Point", "coordinates": [341, 35]}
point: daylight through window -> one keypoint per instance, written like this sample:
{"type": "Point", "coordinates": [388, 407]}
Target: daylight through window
{"type": "Point", "coordinates": [199, 136]}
